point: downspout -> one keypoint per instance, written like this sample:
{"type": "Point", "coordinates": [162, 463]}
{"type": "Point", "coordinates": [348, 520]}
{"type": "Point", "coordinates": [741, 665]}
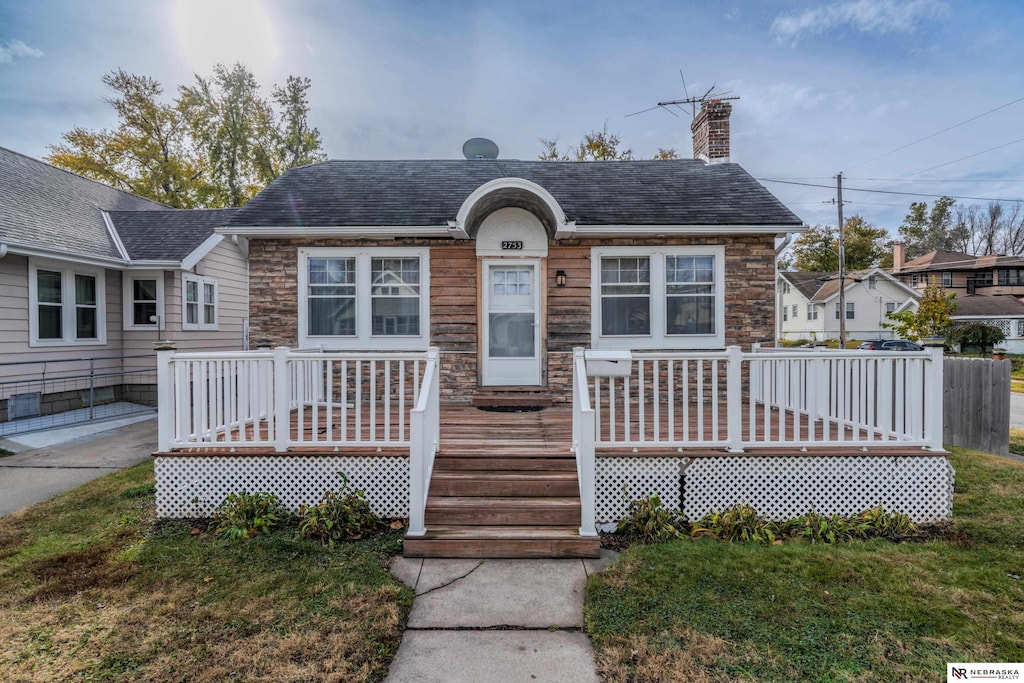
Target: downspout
{"type": "Point", "coordinates": [786, 240]}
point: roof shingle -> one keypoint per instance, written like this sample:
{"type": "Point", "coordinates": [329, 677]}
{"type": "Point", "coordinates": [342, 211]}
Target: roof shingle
{"type": "Point", "coordinates": [430, 193]}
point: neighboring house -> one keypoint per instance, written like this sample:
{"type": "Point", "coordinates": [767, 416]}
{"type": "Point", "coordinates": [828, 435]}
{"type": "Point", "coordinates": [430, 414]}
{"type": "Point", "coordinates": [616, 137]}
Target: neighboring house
{"type": "Point", "coordinates": [988, 288]}
{"type": "Point", "coordinates": [808, 304]}
{"type": "Point", "coordinates": [388, 297]}
{"type": "Point", "coordinates": [91, 277]}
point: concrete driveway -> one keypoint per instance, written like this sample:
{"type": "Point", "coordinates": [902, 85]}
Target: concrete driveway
{"type": "Point", "coordinates": [1017, 410]}
{"type": "Point", "coordinates": [39, 474]}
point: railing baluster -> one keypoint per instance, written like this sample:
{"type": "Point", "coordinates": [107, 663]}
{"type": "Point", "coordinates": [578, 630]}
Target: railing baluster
{"type": "Point", "coordinates": [714, 400]}
{"type": "Point", "coordinates": [670, 387]}
{"type": "Point", "coordinates": [641, 403]}
{"type": "Point", "coordinates": [686, 400]}
{"type": "Point", "coordinates": [387, 401]}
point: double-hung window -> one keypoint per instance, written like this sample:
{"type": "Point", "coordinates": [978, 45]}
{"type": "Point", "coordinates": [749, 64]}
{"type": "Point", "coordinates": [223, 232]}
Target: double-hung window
{"type": "Point", "coordinates": [66, 305]}
{"type": "Point", "coordinates": [658, 297]}
{"type": "Point", "coordinates": [201, 302]}
{"type": "Point", "coordinates": [371, 298]}
{"type": "Point", "coordinates": [143, 300]}
{"type": "Point", "coordinates": [812, 312]}
{"type": "Point", "coordinates": [947, 278]}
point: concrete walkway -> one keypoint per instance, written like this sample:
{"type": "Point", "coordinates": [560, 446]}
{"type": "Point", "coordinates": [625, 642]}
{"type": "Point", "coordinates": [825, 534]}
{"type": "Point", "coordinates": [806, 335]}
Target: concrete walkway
{"type": "Point", "coordinates": [495, 620]}
{"type": "Point", "coordinates": [66, 458]}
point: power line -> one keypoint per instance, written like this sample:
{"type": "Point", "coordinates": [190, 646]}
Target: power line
{"type": "Point", "coordinates": [909, 194]}
{"type": "Point", "coordinates": [928, 180]}
{"type": "Point", "coordinates": [970, 156]}
{"type": "Point", "coordinates": [944, 130]}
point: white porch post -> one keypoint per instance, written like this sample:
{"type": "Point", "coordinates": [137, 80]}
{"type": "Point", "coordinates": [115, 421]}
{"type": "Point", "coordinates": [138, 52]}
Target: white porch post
{"type": "Point", "coordinates": [282, 400]}
{"type": "Point", "coordinates": [934, 393]}
{"type": "Point", "coordinates": [734, 399]}
{"type": "Point", "coordinates": [583, 431]}
{"type": "Point", "coordinates": [164, 394]}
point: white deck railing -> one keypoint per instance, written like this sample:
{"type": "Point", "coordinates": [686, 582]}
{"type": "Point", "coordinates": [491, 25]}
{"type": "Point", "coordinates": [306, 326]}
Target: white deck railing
{"type": "Point", "coordinates": [583, 433]}
{"type": "Point", "coordinates": [425, 441]}
{"type": "Point", "coordinates": [736, 401]}
{"type": "Point", "coordinates": [286, 398]}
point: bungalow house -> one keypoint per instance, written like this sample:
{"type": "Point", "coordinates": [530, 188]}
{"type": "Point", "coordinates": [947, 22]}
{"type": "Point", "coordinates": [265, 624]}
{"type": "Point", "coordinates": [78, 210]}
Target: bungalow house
{"type": "Point", "coordinates": [808, 304]}
{"type": "Point", "coordinates": [988, 289]}
{"type": "Point", "coordinates": [507, 352]}
{"type": "Point", "coordinates": [90, 278]}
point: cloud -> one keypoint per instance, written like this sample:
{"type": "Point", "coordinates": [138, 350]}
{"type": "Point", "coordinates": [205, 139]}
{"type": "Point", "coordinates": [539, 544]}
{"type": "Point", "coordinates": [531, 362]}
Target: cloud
{"type": "Point", "coordinates": [866, 16]}
{"type": "Point", "coordinates": [15, 49]}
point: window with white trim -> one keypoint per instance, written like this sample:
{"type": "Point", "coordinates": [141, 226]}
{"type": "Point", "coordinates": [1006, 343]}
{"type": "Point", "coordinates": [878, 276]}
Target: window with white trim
{"type": "Point", "coordinates": [785, 287]}
{"type": "Point", "coordinates": [796, 312]}
{"type": "Point", "coordinates": [200, 300]}
{"type": "Point", "coordinates": [947, 278]}
{"type": "Point", "coordinates": [658, 297]}
{"type": "Point", "coordinates": [850, 310]}
{"type": "Point", "coordinates": [872, 282]}
{"type": "Point", "coordinates": [66, 305]}
{"type": "Point", "coordinates": [143, 294]}
{"type": "Point", "coordinates": [374, 297]}
{"type": "Point", "coordinates": [890, 307]}
{"type": "Point", "coordinates": [812, 311]}
{"type": "Point", "coordinates": [785, 314]}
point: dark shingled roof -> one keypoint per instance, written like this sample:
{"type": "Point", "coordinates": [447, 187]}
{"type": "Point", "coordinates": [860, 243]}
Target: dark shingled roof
{"type": "Point", "coordinates": [429, 193]}
{"type": "Point", "coordinates": [169, 235]}
{"type": "Point", "coordinates": [979, 305]}
{"type": "Point", "coordinates": [807, 282]}
{"type": "Point", "coordinates": [44, 206]}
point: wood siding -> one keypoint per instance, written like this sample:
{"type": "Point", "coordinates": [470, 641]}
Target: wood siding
{"type": "Point", "coordinates": [455, 302]}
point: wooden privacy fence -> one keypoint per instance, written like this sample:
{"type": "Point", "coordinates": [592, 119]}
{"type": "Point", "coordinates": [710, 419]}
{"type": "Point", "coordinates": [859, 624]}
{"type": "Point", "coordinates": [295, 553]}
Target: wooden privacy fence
{"type": "Point", "coordinates": [976, 404]}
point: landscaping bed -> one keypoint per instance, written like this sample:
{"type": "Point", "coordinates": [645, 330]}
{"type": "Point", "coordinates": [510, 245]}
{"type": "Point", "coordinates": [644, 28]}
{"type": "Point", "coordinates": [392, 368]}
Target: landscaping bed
{"type": "Point", "coordinates": [92, 588]}
{"type": "Point", "coordinates": [705, 610]}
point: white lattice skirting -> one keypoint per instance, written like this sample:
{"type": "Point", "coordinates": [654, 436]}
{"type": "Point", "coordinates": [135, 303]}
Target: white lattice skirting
{"type": "Point", "coordinates": [195, 486]}
{"type": "Point", "coordinates": [620, 480]}
{"type": "Point", "coordinates": [786, 487]}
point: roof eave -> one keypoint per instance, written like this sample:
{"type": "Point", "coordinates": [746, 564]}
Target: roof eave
{"type": "Point", "coordinates": [353, 231]}
{"type": "Point", "coordinates": [61, 255]}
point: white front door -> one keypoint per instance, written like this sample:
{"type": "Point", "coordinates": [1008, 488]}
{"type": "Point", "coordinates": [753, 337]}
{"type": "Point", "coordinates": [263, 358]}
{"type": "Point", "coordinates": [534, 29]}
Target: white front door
{"type": "Point", "coordinates": [511, 322]}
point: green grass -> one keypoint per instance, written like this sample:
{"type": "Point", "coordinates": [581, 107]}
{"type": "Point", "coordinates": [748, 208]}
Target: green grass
{"type": "Point", "coordinates": [871, 610]}
{"type": "Point", "coordinates": [1017, 441]}
{"type": "Point", "coordinates": [92, 589]}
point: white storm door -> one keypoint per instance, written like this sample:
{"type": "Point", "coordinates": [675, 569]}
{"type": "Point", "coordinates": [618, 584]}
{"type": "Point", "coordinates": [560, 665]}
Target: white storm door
{"type": "Point", "coordinates": [511, 334]}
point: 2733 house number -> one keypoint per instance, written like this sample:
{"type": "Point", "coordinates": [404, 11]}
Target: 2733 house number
{"type": "Point", "coordinates": [511, 244]}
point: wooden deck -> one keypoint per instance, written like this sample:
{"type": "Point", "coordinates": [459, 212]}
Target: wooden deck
{"type": "Point", "coordinates": [551, 428]}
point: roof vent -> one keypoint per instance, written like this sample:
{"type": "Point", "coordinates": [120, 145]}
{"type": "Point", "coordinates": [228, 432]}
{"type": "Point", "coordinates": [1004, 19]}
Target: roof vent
{"type": "Point", "coordinates": [479, 148]}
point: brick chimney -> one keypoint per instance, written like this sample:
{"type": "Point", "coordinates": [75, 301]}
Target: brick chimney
{"type": "Point", "coordinates": [899, 256]}
{"type": "Point", "coordinates": [711, 132]}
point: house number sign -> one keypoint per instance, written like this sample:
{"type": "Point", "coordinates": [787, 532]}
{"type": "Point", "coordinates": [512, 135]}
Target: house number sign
{"type": "Point", "coordinates": [512, 244]}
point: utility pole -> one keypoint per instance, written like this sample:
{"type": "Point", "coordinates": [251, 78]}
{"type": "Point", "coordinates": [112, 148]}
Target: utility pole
{"type": "Point", "coordinates": [842, 264]}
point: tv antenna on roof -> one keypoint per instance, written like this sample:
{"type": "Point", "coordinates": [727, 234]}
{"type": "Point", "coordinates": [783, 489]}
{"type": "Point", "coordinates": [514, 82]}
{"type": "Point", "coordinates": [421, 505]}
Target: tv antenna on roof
{"type": "Point", "coordinates": [708, 96]}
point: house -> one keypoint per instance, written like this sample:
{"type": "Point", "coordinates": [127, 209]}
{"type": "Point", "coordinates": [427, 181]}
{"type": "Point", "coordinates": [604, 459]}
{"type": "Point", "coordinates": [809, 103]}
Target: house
{"type": "Point", "coordinates": [90, 278]}
{"type": "Point", "coordinates": [988, 288]}
{"type": "Point", "coordinates": [808, 304]}
{"type": "Point", "coordinates": [611, 311]}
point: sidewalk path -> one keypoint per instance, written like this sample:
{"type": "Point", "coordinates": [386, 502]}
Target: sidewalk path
{"type": "Point", "coordinates": [495, 620]}
{"type": "Point", "coordinates": [39, 474]}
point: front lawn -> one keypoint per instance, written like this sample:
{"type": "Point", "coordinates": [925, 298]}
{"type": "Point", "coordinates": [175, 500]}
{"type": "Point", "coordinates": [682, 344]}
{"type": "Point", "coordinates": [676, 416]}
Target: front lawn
{"type": "Point", "coordinates": [92, 589]}
{"type": "Point", "coordinates": [869, 610]}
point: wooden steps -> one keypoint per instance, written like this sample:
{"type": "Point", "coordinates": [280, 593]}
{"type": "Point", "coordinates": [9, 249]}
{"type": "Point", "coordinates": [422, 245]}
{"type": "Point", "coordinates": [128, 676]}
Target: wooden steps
{"type": "Point", "coordinates": [502, 487]}
{"type": "Point", "coordinates": [512, 397]}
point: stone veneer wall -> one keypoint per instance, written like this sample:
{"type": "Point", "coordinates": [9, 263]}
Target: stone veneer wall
{"type": "Point", "coordinates": [749, 299]}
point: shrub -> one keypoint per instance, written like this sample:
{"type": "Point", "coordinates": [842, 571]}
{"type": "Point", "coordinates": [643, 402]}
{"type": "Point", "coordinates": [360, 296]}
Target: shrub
{"type": "Point", "coordinates": [244, 515]}
{"type": "Point", "coordinates": [344, 516]}
{"type": "Point", "coordinates": [737, 523]}
{"type": "Point", "coordinates": [648, 521]}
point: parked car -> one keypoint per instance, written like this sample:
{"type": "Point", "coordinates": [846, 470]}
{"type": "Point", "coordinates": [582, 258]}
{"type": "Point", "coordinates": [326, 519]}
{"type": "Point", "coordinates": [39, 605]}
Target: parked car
{"type": "Point", "coordinates": [899, 345]}
{"type": "Point", "coordinates": [872, 344]}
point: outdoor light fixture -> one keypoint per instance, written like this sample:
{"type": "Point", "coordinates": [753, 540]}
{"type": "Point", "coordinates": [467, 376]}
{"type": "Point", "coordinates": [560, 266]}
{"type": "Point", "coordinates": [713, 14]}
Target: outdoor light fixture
{"type": "Point", "coordinates": [560, 278]}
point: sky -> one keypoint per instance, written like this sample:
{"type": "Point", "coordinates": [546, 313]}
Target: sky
{"type": "Point", "coordinates": [863, 87]}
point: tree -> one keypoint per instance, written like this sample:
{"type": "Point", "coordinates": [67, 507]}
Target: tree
{"type": "Point", "coordinates": [931, 319]}
{"type": "Point", "coordinates": [924, 231]}
{"type": "Point", "coordinates": [598, 145]}
{"type": "Point", "coordinates": [149, 153]}
{"type": "Point", "coordinates": [818, 248]}
{"type": "Point", "coordinates": [216, 145]}
{"type": "Point", "coordinates": [976, 334]}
